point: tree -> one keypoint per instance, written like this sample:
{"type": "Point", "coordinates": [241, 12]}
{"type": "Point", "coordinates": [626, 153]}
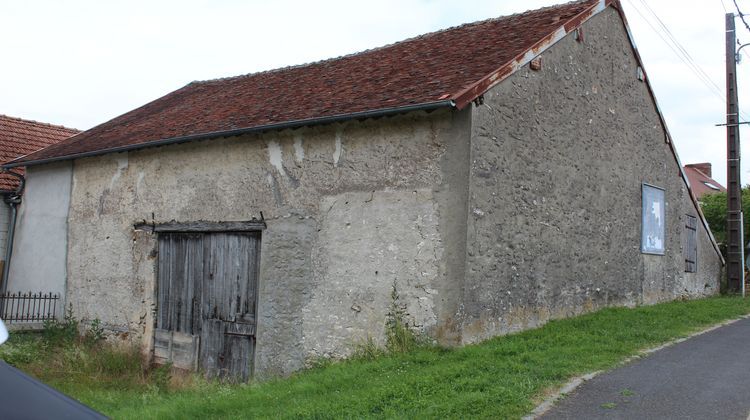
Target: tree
{"type": "Point", "coordinates": [714, 207]}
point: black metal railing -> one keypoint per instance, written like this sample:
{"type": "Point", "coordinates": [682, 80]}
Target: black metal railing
{"type": "Point", "coordinates": [19, 307]}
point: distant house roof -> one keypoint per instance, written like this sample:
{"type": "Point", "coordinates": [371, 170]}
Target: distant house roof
{"type": "Point", "coordinates": [20, 137]}
{"type": "Point", "coordinates": [699, 175]}
{"type": "Point", "coordinates": [448, 68]}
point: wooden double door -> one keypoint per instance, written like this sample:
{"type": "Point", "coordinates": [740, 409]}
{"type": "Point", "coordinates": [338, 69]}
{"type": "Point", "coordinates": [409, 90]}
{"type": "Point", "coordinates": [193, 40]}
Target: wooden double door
{"type": "Point", "coordinates": [207, 299]}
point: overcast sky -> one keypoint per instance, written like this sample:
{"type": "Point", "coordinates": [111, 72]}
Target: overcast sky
{"type": "Point", "coordinates": [81, 63]}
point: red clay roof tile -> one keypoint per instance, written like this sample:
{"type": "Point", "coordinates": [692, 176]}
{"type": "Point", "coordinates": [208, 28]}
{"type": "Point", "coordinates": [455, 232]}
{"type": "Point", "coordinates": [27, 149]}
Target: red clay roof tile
{"type": "Point", "coordinates": [420, 70]}
{"type": "Point", "coordinates": [20, 137]}
{"type": "Point", "coordinates": [700, 182]}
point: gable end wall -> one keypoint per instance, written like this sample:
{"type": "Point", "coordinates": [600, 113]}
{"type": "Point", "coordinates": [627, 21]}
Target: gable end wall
{"type": "Point", "coordinates": [558, 159]}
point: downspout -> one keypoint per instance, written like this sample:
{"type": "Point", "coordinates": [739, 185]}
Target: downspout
{"type": "Point", "coordinates": [13, 200]}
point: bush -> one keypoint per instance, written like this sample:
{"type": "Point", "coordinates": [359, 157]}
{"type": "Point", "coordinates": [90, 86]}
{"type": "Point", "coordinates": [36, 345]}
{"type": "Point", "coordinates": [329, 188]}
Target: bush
{"type": "Point", "coordinates": [714, 207]}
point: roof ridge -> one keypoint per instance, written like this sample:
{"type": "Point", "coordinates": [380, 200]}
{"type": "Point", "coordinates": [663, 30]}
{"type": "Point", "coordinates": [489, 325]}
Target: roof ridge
{"type": "Point", "coordinates": [704, 175]}
{"type": "Point", "coordinates": [392, 44]}
{"type": "Point", "coordinates": [27, 121]}
{"type": "Point", "coordinates": [694, 168]}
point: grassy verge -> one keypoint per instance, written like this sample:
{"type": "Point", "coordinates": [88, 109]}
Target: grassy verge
{"type": "Point", "coordinates": [73, 362]}
{"type": "Point", "coordinates": [498, 378]}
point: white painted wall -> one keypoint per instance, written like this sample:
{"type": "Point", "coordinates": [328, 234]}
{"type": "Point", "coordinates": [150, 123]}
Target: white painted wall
{"type": "Point", "coordinates": [38, 263]}
{"type": "Point", "coordinates": [4, 222]}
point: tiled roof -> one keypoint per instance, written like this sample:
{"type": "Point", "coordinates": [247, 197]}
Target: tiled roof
{"type": "Point", "coordinates": [20, 137]}
{"type": "Point", "coordinates": [456, 64]}
{"type": "Point", "coordinates": [701, 182]}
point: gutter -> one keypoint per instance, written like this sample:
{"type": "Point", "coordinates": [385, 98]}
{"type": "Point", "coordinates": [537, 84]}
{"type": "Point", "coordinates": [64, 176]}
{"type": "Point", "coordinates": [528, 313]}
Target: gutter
{"type": "Point", "coordinates": [13, 200]}
{"type": "Point", "coordinates": [383, 112]}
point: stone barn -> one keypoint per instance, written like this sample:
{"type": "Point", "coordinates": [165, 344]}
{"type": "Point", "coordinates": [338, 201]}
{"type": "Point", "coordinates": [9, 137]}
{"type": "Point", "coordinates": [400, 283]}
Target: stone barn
{"type": "Point", "coordinates": [496, 175]}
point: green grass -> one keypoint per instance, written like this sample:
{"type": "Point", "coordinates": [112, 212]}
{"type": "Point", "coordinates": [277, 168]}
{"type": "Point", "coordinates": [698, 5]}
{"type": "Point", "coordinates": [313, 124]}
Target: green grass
{"type": "Point", "coordinates": [500, 378]}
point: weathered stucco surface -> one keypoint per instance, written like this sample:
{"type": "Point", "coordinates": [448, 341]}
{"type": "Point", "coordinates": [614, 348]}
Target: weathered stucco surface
{"type": "Point", "coordinates": [351, 210]}
{"type": "Point", "coordinates": [38, 263]}
{"type": "Point", "coordinates": [558, 159]}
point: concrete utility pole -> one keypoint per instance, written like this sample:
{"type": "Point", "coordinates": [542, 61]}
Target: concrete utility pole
{"type": "Point", "coordinates": [735, 246]}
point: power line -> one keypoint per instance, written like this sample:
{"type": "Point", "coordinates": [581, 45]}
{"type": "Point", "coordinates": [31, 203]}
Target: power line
{"type": "Point", "coordinates": [701, 73]}
{"type": "Point", "coordinates": [723, 6]}
{"type": "Point", "coordinates": [681, 48]}
{"type": "Point", "coordinates": [742, 15]}
{"type": "Point", "coordinates": [745, 53]}
{"type": "Point", "coordinates": [673, 44]}
{"type": "Point", "coordinates": [710, 85]}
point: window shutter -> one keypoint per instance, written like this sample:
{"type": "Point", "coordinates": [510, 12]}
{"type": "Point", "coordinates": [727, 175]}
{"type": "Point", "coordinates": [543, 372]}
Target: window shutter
{"type": "Point", "coordinates": [691, 244]}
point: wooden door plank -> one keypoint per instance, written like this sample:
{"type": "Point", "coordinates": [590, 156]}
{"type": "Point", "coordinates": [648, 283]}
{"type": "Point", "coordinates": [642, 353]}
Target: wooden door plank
{"type": "Point", "coordinates": [162, 278]}
{"type": "Point", "coordinates": [177, 348]}
{"type": "Point", "coordinates": [196, 274]}
{"type": "Point", "coordinates": [212, 347]}
{"type": "Point", "coordinates": [241, 328]}
{"type": "Point", "coordinates": [238, 351]}
{"type": "Point", "coordinates": [253, 269]}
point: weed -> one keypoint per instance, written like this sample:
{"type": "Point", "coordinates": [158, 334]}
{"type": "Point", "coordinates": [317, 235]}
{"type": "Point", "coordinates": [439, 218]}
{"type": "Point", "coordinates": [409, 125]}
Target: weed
{"type": "Point", "coordinates": [320, 362]}
{"type": "Point", "coordinates": [369, 350]}
{"type": "Point", "coordinates": [609, 405]}
{"type": "Point", "coordinates": [183, 379]}
{"type": "Point", "coordinates": [22, 348]}
{"type": "Point", "coordinates": [115, 361]}
{"type": "Point", "coordinates": [94, 334]}
{"type": "Point", "coordinates": [161, 376]}
{"type": "Point", "coordinates": [56, 332]}
{"type": "Point", "coordinates": [627, 393]}
{"type": "Point", "coordinates": [400, 338]}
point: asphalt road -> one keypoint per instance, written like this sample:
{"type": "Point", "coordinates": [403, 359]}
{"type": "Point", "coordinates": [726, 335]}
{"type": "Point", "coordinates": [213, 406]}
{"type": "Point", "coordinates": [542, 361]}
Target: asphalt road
{"type": "Point", "coordinates": [705, 377]}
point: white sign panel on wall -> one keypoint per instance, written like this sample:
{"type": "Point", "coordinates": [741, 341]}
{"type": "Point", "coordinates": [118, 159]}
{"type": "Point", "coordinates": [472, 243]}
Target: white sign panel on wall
{"type": "Point", "coordinates": [653, 211]}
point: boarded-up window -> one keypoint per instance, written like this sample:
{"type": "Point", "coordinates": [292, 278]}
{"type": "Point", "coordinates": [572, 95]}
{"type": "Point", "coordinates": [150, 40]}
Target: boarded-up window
{"type": "Point", "coordinates": [691, 244]}
{"type": "Point", "coordinates": [207, 288]}
{"type": "Point", "coordinates": [652, 220]}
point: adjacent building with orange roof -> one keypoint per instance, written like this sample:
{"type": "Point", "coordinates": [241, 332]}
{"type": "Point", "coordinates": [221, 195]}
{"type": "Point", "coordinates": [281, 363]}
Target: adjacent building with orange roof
{"type": "Point", "coordinates": [18, 138]}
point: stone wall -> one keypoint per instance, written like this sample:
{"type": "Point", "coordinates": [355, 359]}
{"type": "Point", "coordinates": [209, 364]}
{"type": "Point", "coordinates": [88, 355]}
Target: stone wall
{"type": "Point", "coordinates": [558, 158]}
{"type": "Point", "coordinates": [351, 210]}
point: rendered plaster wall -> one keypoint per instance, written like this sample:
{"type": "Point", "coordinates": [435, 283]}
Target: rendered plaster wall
{"type": "Point", "coordinates": [4, 223]}
{"type": "Point", "coordinates": [352, 210]}
{"type": "Point", "coordinates": [38, 263]}
{"type": "Point", "coordinates": [558, 158]}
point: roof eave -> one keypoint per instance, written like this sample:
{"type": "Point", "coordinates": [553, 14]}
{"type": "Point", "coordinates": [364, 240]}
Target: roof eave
{"type": "Point", "coordinates": [383, 112]}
